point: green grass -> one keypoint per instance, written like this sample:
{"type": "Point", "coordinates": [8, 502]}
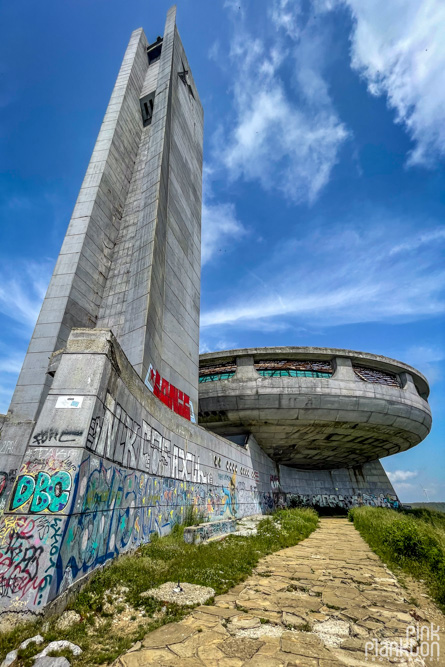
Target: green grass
{"type": "Point", "coordinates": [412, 540]}
{"type": "Point", "coordinates": [220, 565]}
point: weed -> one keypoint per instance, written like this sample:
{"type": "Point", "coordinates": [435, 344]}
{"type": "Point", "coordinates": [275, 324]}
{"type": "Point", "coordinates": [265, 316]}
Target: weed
{"type": "Point", "coordinates": [305, 627]}
{"type": "Point", "coordinates": [192, 517]}
{"type": "Point", "coordinates": [332, 606]}
{"type": "Point", "coordinates": [241, 608]}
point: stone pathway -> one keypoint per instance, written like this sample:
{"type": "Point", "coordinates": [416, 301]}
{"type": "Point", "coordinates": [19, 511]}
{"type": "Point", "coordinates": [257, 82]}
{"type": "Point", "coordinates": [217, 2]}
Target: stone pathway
{"type": "Point", "coordinates": [312, 605]}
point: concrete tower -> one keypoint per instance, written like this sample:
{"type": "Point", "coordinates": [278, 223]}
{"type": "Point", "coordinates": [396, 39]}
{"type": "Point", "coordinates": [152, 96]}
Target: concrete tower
{"type": "Point", "coordinates": [130, 260]}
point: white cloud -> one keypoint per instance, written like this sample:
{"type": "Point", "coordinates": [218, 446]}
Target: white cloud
{"type": "Point", "coordinates": [342, 277]}
{"type": "Point", "coordinates": [425, 354]}
{"type": "Point", "coordinates": [286, 15]}
{"type": "Point", "coordinates": [11, 363]}
{"type": "Point", "coordinates": [222, 344]}
{"type": "Point", "coordinates": [22, 289]}
{"type": "Point", "coordinates": [220, 225]}
{"type": "Point", "coordinates": [220, 228]}
{"type": "Point", "coordinates": [398, 46]}
{"type": "Point", "coordinates": [423, 239]}
{"type": "Point", "coordinates": [402, 475]}
{"type": "Point", "coordinates": [285, 136]}
{"type": "Point", "coordinates": [426, 358]}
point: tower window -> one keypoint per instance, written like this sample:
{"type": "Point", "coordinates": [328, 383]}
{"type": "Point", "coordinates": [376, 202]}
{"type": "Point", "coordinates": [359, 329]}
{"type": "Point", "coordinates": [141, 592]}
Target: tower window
{"type": "Point", "coordinates": [147, 105]}
{"type": "Point", "coordinates": [154, 51]}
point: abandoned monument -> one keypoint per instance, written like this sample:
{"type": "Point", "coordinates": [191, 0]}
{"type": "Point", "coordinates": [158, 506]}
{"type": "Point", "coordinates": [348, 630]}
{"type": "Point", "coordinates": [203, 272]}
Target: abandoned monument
{"type": "Point", "coordinates": [101, 446]}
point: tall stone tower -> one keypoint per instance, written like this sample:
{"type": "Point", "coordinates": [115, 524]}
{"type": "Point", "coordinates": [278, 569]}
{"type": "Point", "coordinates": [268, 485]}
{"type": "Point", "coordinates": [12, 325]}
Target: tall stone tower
{"type": "Point", "coordinates": [130, 260]}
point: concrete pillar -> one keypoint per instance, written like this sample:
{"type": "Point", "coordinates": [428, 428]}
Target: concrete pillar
{"type": "Point", "coordinates": [245, 370]}
{"type": "Point", "coordinates": [343, 369]}
{"type": "Point", "coordinates": [407, 382]}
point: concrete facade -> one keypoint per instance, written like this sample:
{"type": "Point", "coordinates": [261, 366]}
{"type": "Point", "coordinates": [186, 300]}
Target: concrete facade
{"type": "Point", "coordinates": [109, 464]}
{"type": "Point", "coordinates": [100, 448]}
{"type": "Point", "coordinates": [343, 416]}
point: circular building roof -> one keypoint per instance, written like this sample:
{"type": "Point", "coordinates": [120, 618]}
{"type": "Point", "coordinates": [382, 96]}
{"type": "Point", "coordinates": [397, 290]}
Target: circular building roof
{"type": "Point", "coordinates": [313, 408]}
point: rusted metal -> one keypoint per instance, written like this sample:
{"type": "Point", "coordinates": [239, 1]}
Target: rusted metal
{"type": "Point", "coordinates": [295, 364]}
{"type": "Point", "coordinates": [221, 368]}
{"type": "Point", "coordinates": [376, 377]}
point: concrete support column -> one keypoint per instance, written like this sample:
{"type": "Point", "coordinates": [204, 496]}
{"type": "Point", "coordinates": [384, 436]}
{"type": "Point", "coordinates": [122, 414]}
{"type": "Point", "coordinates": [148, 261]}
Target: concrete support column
{"type": "Point", "coordinates": [408, 383]}
{"type": "Point", "coordinates": [343, 369]}
{"type": "Point", "coordinates": [245, 370]}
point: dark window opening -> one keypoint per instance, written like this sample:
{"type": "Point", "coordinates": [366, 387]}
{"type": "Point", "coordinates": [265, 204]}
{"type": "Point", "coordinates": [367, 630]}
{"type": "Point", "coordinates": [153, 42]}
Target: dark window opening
{"type": "Point", "coordinates": [376, 376]}
{"type": "Point", "coordinates": [154, 51]}
{"type": "Point", "coordinates": [294, 368]}
{"type": "Point", "coordinates": [222, 371]}
{"type": "Point", "coordinates": [147, 106]}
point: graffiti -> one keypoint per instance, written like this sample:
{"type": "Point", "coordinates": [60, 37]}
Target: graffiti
{"type": "Point", "coordinates": [267, 503]}
{"type": "Point", "coordinates": [171, 396]}
{"type": "Point", "coordinates": [6, 480]}
{"type": "Point", "coordinates": [54, 434]}
{"type": "Point", "coordinates": [274, 482]}
{"type": "Point", "coordinates": [49, 459]}
{"type": "Point", "coordinates": [230, 501]}
{"type": "Point", "coordinates": [45, 492]}
{"type": "Point", "coordinates": [7, 447]}
{"type": "Point", "coordinates": [198, 534]}
{"type": "Point", "coordinates": [118, 509]}
{"type": "Point", "coordinates": [6, 477]}
{"type": "Point", "coordinates": [140, 446]}
{"type": "Point", "coordinates": [231, 466]}
{"type": "Point", "coordinates": [248, 500]}
{"type": "Point", "coordinates": [279, 500]}
{"type": "Point", "coordinates": [345, 502]}
{"type": "Point", "coordinates": [22, 560]}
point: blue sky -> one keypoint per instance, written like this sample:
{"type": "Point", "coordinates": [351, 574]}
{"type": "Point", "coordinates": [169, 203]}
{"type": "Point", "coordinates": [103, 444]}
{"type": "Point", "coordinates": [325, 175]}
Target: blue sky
{"type": "Point", "coordinates": [324, 173]}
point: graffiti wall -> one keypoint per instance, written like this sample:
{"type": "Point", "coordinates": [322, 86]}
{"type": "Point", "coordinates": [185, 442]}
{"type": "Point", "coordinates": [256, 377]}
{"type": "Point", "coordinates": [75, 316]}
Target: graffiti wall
{"type": "Point", "coordinates": [103, 472]}
{"type": "Point", "coordinates": [108, 466]}
{"type": "Point", "coordinates": [334, 500]}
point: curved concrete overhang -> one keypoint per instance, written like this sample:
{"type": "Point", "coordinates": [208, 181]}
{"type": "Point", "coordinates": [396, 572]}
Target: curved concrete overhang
{"type": "Point", "coordinates": [284, 352]}
{"type": "Point", "coordinates": [337, 420]}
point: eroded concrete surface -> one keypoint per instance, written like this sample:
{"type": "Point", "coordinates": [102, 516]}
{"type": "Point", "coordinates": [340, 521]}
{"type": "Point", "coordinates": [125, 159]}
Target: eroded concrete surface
{"type": "Point", "coordinates": [313, 605]}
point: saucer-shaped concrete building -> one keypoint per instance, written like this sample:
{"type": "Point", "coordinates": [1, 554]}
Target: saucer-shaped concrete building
{"type": "Point", "coordinates": [314, 408]}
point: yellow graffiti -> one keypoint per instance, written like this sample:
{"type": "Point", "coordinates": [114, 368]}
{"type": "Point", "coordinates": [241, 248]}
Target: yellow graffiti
{"type": "Point", "coordinates": [16, 602]}
{"type": "Point", "coordinates": [9, 523]}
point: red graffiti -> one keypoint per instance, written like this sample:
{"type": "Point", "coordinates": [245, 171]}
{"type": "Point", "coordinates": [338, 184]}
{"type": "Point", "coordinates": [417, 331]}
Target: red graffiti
{"type": "Point", "coordinates": [171, 396]}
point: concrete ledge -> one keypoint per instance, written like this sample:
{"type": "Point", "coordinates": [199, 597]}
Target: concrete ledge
{"type": "Point", "coordinates": [207, 531]}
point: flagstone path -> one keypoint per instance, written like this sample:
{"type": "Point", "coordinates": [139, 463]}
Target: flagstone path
{"type": "Point", "coordinates": [312, 605]}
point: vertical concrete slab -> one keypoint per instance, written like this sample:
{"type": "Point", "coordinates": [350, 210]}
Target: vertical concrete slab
{"type": "Point", "coordinates": [166, 253]}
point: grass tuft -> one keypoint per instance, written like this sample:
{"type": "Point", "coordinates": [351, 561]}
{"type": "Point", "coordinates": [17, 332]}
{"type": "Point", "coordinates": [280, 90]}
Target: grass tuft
{"type": "Point", "coordinates": [412, 540]}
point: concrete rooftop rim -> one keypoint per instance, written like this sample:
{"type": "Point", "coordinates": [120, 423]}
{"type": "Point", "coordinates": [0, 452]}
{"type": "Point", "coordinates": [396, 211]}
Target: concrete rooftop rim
{"type": "Point", "coordinates": [322, 353]}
